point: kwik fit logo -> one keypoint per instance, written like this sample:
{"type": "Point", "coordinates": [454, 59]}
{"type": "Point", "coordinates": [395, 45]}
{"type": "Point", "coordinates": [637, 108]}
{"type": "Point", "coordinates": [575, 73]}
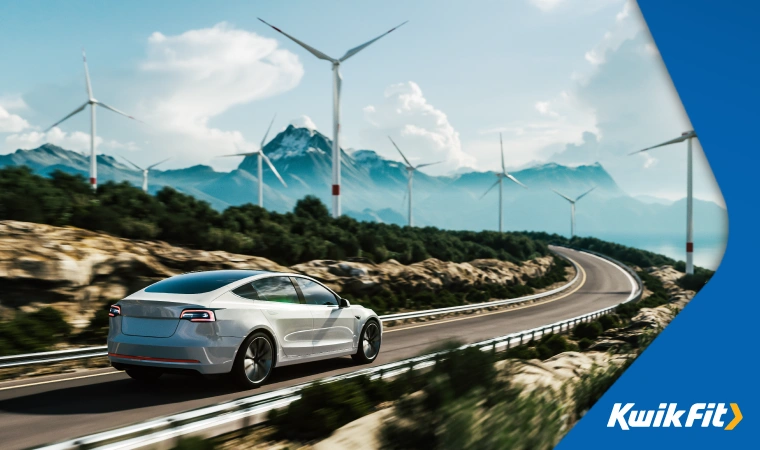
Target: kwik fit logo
{"type": "Point", "coordinates": [668, 415]}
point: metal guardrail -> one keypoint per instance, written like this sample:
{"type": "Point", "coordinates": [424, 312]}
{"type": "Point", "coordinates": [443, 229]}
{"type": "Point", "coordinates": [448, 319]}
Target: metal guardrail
{"type": "Point", "coordinates": [229, 416]}
{"type": "Point", "coordinates": [92, 352]}
{"type": "Point", "coordinates": [51, 357]}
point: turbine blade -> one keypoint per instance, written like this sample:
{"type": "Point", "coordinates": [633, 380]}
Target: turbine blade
{"type": "Point", "coordinates": [271, 166]}
{"type": "Point", "coordinates": [160, 162]}
{"type": "Point", "coordinates": [427, 164]}
{"type": "Point", "coordinates": [584, 194]}
{"type": "Point", "coordinates": [408, 164]}
{"type": "Point", "coordinates": [681, 138]}
{"type": "Point", "coordinates": [308, 48]}
{"type": "Point", "coordinates": [489, 189]}
{"type": "Point", "coordinates": [117, 111]}
{"type": "Point", "coordinates": [267, 133]}
{"type": "Point", "coordinates": [240, 154]}
{"type": "Point", "coordinates": [356, 50]}
{"type": "Point", "coordinates": [564, 196]}
{"type": "Point", "coordinates": [503, 166]}
{"type": "Point", "coordinates": [136, 166]}
{"type": "Point", "coordinates": [403, 199]}
{"type": "Point", "coordinates": [87, 75]}
{"type": "Point", "coordinates": [70, 114]}
{"type": "Point", "coordinates": [515, 180]}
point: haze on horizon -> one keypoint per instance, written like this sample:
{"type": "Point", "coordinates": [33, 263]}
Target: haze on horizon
{"type": "Point", "coordinates": [566, 81]}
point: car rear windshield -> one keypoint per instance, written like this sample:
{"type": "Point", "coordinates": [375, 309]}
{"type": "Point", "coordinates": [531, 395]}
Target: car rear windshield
{"type": "Point", "coordinates": [199, 282]}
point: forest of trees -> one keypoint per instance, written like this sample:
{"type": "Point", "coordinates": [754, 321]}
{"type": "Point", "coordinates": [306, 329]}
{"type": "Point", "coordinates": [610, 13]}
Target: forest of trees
{"type": "Point", "coordinates": [308, 233]}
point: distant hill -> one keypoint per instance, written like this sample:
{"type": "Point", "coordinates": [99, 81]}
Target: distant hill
{"type": "Point", "coordinates": [374, 189]}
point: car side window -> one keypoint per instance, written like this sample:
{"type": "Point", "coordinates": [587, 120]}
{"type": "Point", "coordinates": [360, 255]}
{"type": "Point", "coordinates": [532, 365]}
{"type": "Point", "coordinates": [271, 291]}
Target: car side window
{"type": "Point", "coordinates": [276, 289]}
{"type": "Point", "coordinates": [315, 293]}
{"type": "Point", "coordinates": [247, 291]}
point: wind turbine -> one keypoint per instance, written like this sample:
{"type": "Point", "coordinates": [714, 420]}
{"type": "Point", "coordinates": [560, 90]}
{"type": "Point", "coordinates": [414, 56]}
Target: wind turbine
{"type": "Point", "coordinates": [410, 169]}
{"type": "Point", "coordinates": [262, 157]}
{"type": "Point", "coordinates": [92, 102]}
{"type": "Point", "coordinates": [572, 207]}
{"type": "Point", "coordinates": [500, 178]}
{"type": "Point", "coordinates": [686, 136]}
{"type": "Point", "coordinates": [145, 171]}
{"type": "Point", "coordinates": [336, 104]}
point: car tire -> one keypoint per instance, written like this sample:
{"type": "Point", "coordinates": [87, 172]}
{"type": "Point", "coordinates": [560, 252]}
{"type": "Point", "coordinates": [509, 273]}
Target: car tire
{"type": "Point", "coordinates": [369, 343]}
{"type": "Point", "coordinates": [255, 361]}
{"type": "Point", "coordinates": [144, 375]}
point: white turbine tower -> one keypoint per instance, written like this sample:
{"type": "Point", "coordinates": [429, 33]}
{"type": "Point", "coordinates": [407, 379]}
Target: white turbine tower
{"type": "Point", "coordinates": [145, 171]}
{"type": "Point", "coordinates": [92, 102]}
{"type": "Point", "coordinates": [572, 207]}
{"type": "Point", "coordinates": [686, 136]}
{"type": "Point", "coordinates": [261, 158]}
{"type": "Point", "coordinates": [410, 169]}
{"type": "Point", "coordinates": [336, 105]}
{"type": "Point", "coordinates": [500, 178]}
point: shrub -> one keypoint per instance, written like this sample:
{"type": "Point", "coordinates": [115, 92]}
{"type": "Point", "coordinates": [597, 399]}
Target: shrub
{"type": "Point", "coordinates": [553, 344]}
{"type": "Point", "coordinates": [325, 407]}
{"type": "Point", "coordinates": [585, 343]}
{"type": "Point", "coordinates": [609, 321]}
{"type": "Point", "coordinates": [96, 331]}
{"type": "Point", "coordinates": [590, 330]}
{"type": "Point", "coordinates": [594, 384]}
{"type": "Point", "coordinates": [33, 332]}
{"type": "Point", "coordinates": [696, 281]}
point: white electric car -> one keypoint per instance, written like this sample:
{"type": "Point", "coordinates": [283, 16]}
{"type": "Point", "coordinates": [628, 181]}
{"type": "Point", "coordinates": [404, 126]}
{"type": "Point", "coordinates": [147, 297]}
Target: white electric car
{"type": "Point", "coordinates": [241, 322]}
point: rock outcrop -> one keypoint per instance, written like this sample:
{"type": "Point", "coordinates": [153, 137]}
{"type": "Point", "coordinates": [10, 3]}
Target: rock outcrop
{"type": "Point", "coordinates": [77, 270]}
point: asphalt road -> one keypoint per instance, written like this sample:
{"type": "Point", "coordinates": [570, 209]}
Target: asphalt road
{"type": "Point", "coordinates": [54, 408]}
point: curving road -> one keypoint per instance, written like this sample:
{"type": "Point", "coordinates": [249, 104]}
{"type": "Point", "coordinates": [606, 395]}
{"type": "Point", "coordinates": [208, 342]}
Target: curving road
{"type": "Point", "coordinates": [54, 408]}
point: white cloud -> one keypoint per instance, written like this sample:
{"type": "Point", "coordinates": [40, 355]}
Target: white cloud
{"type": "Point", "coordinates": [417, 127]}
{"type": "Point", "coordinates": [11, 123]}
{"type": "Point", "coordinates": [200, 74]}
{"type": "Point", "coordinates": [75, 140]}
{"type": "Point", "coordinates": [304, 122]}
{"type": "Point", "coordinates": [555, 123]}
{"type": "Point", "coordinates": [13, 102]}
{"type": "Point", "coordinates": [628, 23]}
{"type": "Point", "coordinates": [546, 5]}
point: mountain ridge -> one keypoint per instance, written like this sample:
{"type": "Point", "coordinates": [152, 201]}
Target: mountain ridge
{"type": "Point", "coordinates": [374, 188]}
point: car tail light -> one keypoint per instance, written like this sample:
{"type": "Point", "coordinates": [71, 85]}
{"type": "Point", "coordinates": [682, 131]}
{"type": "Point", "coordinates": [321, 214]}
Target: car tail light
{"type": "Point", "coordinates": [114, 311]}
{"type": "Point", "coordinates": [198, 315]}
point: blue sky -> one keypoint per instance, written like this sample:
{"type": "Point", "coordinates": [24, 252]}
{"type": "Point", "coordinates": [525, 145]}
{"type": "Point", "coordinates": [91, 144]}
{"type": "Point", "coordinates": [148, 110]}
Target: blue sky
{"type": "Point", "coordinates": [569, 81]}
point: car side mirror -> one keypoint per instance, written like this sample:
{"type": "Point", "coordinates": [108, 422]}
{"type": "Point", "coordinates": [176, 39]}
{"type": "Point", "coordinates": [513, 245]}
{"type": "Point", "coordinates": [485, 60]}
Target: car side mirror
{"type": "Point", "coordinates": [344, 303]}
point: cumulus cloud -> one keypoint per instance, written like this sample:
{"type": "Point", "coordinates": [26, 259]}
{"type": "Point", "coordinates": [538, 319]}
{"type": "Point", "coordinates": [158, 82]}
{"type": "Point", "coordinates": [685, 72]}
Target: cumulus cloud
{"type": "Point", "coordinates": [417, 126]}
{"type": "Point", "coordinates": [200, 74]}
{"type": "Point", "coordinates": [11, 123]}
{"type": "Point", "coordinates": [562, 120]}
{"type": "Point", "coordinates": [304, 122]}
{"type": "Point", "coordinates": [75, 140]}
{"type": "Point", "coordinates": [628, 24]}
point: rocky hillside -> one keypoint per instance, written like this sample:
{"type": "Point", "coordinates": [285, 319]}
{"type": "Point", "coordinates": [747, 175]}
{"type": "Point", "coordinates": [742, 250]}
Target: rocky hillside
{"type": "Point", "coordinates": [77, 271]}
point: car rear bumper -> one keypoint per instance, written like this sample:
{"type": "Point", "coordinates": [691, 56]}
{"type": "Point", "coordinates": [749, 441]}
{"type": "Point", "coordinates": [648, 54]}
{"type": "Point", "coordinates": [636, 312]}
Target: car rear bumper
{"type": "Point", "coordinates": [210, 356]}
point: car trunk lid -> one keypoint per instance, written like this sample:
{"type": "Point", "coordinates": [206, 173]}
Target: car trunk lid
{"type": "Point", "coordinates": [152, 318]}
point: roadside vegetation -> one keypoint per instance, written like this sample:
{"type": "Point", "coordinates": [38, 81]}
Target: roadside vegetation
{"type": "Point", "coordinates": [33, 332]}
{"type": "Point", "coordinates": [390, 299]}
{"type": "Point", "coordinates": [307, 233]}
{"type": "Point", "coordinates": [628, 255]}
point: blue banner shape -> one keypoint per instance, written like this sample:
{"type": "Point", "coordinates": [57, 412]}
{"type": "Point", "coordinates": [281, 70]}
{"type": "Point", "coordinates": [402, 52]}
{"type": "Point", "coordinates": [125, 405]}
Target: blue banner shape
{"type": "Point", "coordinates": [708, 354]}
